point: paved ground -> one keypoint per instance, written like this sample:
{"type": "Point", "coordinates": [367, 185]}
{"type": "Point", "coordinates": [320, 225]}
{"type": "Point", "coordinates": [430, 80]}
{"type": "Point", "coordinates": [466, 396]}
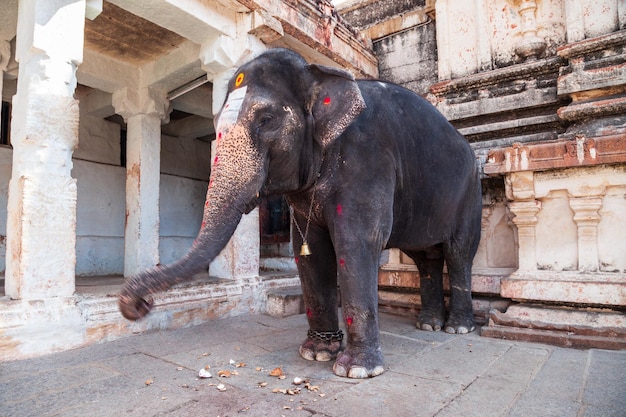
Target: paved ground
{"type": "Point", "coordinates": [427, 374]}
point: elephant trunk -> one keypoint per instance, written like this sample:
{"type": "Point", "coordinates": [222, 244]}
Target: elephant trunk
{"type": "Point", "coordinates": [235, 181]}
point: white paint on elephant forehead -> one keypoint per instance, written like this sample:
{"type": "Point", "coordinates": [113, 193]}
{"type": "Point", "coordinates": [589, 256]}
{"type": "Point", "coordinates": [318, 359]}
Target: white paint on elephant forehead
{"type": "Point", "coordinates": [233, 104]}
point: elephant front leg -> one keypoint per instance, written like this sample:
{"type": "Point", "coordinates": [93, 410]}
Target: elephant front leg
{"type": "Point", "coordinates": [358, 281]}
{"type": "Point", "coordinates": [318, 277]}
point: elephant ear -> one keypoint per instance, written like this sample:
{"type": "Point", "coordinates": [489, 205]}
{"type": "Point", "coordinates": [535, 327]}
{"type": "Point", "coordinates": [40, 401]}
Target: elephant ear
{"type": "Point", "coordinates": [335, 101]}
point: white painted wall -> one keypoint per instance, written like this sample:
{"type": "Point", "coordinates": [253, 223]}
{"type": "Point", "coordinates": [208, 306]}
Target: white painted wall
{"type": "Point", "coordinates": [101, 208]}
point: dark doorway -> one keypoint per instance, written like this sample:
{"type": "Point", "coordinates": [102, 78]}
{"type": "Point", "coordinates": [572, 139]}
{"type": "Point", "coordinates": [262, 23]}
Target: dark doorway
{"type": "Point", "coordinates": [274, 218]}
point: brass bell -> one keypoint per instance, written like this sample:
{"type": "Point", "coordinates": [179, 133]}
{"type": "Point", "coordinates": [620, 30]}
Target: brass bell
{"type": "Point", "coordinates": [304, 249]}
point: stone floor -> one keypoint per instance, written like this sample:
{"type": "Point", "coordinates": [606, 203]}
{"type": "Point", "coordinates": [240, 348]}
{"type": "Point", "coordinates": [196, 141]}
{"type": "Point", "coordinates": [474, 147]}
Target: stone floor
{"type": "Point", "coordinates": [427, 374]}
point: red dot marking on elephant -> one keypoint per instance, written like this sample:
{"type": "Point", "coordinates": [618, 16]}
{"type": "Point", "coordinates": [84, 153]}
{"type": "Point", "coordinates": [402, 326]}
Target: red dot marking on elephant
{"type": "Point", "coordinates": [206, 204]}
{"type": "Point", "coordinates": [309, 313]}
{"type": "Point", "coordinates": [216, 160]}
{"type": "Point", "coordinates": [219, 136]}
{"type": "Point", "coordinates": [326, 100]}
{"type": "Point", "coordinates": [342, 262]}
{"type": "Point", "coordinates": [203, 224]}
{"type": "Point", "coordinates": [349, 321]}
{"type": "Point", "coordinates": [339, 210]}
{"type": "Point", "coordinates": [297, 259]}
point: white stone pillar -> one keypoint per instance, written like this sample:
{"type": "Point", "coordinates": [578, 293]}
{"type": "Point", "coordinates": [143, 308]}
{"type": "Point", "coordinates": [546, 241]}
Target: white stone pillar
{"type": "Point", "coordinates": [526, 221]}
{"type": "Point", "coordinates": [220, 58]}
{"type": "Point", "coordinates": [5, 56]}
{"type": "Point", "coordinates": [142, 109]}
{"type": "Point", "coordinates": [520, 190]}
{"type": "Point", "coordinates": [587, 219]}
{"type": "Point", "coordinates": [41, 224]}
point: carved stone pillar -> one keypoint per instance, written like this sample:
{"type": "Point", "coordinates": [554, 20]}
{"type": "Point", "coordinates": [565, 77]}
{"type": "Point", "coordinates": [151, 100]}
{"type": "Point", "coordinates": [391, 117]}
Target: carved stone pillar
{"type": "Point", "coordinates": [220, 58]}
{"type": "Point", "coordinates": [142, 109]}
{"type": "Point", "coordinates": [587, 219]}
{"type": "Point", "coordinates": [531, 45]}
{"type": "Point", "coordinates": [5, 56]}
{"type": "Point", "coordinates": [41, 224]}
{"type": "Point", "coordinates": [525, 220]}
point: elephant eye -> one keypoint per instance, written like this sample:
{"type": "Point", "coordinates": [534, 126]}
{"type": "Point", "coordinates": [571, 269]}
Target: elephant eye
{"type": "Point", "coordinates": [265, 119]}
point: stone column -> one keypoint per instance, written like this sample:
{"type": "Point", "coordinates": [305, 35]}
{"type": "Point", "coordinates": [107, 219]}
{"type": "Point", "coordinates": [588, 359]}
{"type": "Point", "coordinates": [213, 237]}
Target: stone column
{"type": "Point", "coordinates": [41, 224]}
{"type": "Point", "coordinates": [531, 45]}
{"type": "Point", "coordinates": [220, 58]}
{"type": "Point", "coordinates": [587, 219]}
{"type": "Point", "coordinates": [5, 56]}
{"type": "Point", "coordinates": [142, 109]}
{"type": "Point", "coordinates": [520, 190]}
{"type": "Point", "coordinates": [525, 220]}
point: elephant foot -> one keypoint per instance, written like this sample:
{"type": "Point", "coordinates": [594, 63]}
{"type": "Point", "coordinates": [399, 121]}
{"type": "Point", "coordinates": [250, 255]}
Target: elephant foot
{"type": "Point", "coordinates": [460, 323]}
{"type": "Point", "coordinates": [359, 363]}
{"type": "Point", "coordinates": [321, 346]}
{"type": "Point", "coordinates": [430, 321]}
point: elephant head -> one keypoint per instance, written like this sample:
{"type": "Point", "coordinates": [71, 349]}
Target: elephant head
{"type": "Point", "coordinates": [280, 117]}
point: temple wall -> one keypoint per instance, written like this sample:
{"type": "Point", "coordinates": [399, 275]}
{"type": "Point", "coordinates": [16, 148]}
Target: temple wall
{"type": "Point", "coordinates": [539, 90]}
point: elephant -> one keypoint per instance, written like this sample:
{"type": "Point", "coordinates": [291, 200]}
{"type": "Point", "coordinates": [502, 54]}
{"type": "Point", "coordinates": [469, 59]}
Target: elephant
{"type": "Point", "coordinates": [364, 165]}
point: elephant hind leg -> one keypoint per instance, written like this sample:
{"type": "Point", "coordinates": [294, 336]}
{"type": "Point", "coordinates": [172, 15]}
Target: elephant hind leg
{"type": "Point", "coordinates": [430, 266]}
{"type": "Point", "coordinates": [461, 315]}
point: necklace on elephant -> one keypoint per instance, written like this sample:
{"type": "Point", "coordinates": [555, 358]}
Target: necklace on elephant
{"type": "Point", "coordinates": [304, 249]}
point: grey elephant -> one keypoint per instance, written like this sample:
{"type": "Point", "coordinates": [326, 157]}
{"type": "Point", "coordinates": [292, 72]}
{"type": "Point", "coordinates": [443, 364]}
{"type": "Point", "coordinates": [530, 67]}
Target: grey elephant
{"type": "Point", "coordinates": [365, 165]}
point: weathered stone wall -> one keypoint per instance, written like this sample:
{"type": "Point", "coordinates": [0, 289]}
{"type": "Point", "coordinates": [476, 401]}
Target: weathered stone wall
{"type": "Point", "coordinates": [539, 90]}
{"type": "Point", "coordinates": [409, 58]}
{"type": "Point", "coordinates": [403, 38]}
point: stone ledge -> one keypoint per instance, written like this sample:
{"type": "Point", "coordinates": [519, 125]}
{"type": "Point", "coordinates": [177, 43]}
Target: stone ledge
{"type": "Point", "coordinates": [494, 77]}
{"type": "Point", "coordinates": [556, 338]}
{"type": "Point", "coordinates": [34, 328]}
{"type": "Point", "coordinates": [576, 152]}
{"type": "Point", "coordinates": [285, 302]}
{"type": "Point", "coordinates": [410, 304]}
{"type": "Point", "coordinates": [484, 281]}
{"type": "Point", "coordinates": [603, 289]}
{"type": "Point", "coordinates": [587, 46]}
{"type": "Point", "coordinates": [561, 326]}
{"type": "Point", "coordinates": [303, 21]}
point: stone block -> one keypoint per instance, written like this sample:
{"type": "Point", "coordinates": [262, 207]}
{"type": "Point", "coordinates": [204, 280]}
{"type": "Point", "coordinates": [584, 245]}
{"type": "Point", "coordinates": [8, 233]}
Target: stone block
{"type": "Point", "coordinates": [561, 326]}
{"type": "Point", "coordinates": [285, 302]}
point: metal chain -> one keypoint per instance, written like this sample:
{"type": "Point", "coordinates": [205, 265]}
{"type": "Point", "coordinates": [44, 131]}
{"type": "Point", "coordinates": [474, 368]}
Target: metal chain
{"type": "Point", "coordinates": [308, 219]}
{"type": "Point", "coordinates": [325, 336]}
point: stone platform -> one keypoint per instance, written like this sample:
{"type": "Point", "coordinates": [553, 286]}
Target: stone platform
{"type": "Point", "coordinates": [155, 373]}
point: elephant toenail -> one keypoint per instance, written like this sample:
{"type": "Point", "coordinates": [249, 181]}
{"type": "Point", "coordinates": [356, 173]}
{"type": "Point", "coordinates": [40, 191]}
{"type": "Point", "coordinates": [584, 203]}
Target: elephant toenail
{"type": "Point", "coordinates": [358, 372]}
{"type": "Point", "coordinates": [378, 370]}
{"type": "Point", "coordinates": [339, 370]}
{"type": "Point", "coordinates": [307, 354]}
{"type": "Point", "coordinates": [323, 356]}
{"type": "Point", "coordinates": [426, 327]}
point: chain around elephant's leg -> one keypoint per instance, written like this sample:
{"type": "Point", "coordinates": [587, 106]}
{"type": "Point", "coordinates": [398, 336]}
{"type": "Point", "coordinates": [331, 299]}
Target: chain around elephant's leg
{"type": "Point", "coordinates": [321, 346]}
